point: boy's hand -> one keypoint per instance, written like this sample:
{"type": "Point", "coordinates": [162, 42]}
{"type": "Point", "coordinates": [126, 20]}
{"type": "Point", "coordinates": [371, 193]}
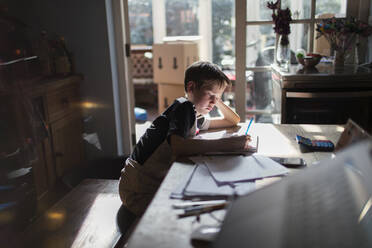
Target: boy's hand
{"type": "Point", "coordinates": [230, 118]}
{"type": "Point", "coordinates": [237, 143]}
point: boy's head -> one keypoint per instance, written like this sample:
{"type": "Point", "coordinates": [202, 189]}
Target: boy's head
{"type": "Point", "coordinates": [204, 85]}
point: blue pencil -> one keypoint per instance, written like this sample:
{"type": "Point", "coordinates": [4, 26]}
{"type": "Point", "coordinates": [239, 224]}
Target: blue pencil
{"type": "Point", "coordinates": [250, 122]}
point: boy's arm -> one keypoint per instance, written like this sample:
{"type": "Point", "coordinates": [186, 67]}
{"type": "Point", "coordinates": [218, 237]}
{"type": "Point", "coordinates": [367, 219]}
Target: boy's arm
{"type": "Point", "coordinates": [230, 118]}
{"type": "Point", "coordinates": [181, 146]}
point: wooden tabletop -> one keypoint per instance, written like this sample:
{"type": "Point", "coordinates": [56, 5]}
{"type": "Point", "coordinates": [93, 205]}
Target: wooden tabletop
{"type": "Point", "coordinates": [322, 70]}
{"type": "Point", "coordinates": [85, 217]}
{"type": "Point", "coordinates": [160, 226]}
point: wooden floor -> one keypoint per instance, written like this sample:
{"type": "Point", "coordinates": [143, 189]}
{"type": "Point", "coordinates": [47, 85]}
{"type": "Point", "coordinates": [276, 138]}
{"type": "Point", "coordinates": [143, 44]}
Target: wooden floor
{"type": "Point", "coordinates": [85, 217]}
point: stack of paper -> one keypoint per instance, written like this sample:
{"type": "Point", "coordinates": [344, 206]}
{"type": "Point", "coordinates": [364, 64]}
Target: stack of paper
{"type": "Point", "coordinates": [221, 176]}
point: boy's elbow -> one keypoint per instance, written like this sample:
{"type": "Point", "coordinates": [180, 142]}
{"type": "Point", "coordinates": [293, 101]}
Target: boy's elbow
{"type": "Point", "coordinates": [237, 120]}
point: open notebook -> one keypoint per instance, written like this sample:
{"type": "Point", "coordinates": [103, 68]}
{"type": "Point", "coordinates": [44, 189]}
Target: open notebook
{"type": "Point", "coordinates": [253, 145]}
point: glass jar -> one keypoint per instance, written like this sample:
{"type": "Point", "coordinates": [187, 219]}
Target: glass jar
{"type": "Point", "coordinates": [339, 59]}
{"type": "Point", "coordinates": [283, 52]}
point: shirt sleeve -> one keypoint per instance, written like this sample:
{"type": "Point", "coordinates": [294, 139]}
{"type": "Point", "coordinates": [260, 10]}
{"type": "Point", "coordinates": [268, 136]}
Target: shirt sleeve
{"type": "Point", "coordinates": [182, 119]}
{"type": "Point", "coordinates": [203, 123]}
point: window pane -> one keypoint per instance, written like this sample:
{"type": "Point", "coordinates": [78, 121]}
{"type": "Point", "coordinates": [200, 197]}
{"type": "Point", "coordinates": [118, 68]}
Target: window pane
{"type": "Point", "coordinates": [259, 39]}
{"type": "Point", "coordinates": [140, 21]}
{"type": "Point", "coordinates": [261, 43]}
{"type": "Point", "coordinates": [300, 9]}
{"type": "Point", "coordinates": [298, 37]}
{"type": "Point", "coordinates": [263, 98]}
{"type": "Point", "coordinates": [336, 7]}
{"type": "Point", "coordinates": [181, 17]}
{"type": "Point", "coordinates": [257, 11]}
{"type": "Point", "coordinates": [223, 32]}
{"type": "Point", "coordinates": [259, 88]}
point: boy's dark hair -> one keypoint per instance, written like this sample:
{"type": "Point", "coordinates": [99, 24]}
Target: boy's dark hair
{"type": "Point", "coordinates": [203, 71]}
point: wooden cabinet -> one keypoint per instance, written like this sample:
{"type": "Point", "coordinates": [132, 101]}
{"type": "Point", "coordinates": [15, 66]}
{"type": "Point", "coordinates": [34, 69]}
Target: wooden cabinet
{"type": "Point", "coordinates": [58, 101]}
{"type": "Point", "coordinates": [40, 137]}
{"type": "Point", "coordinates": [62, 101]}
{"type": "Point", "coordinates": [325, 95]}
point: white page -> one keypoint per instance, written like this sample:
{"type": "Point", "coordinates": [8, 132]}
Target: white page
{"type": "Point", "coordinates": [177, 193]}
{"type": "Point", "coordinates": [202, 183]}
{"type": "Point", "coordinates": [270, 167]}
{"type": "Point", "coordinates": [227, 169]}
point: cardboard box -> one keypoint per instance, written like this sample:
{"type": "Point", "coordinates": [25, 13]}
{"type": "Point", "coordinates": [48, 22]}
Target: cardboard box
{"type": "Point", "coordinates": [321, 44]}
{"type": "Point", "coordinates": [167, 93]}
{"type": "Point", "coordinates": [170, 61]}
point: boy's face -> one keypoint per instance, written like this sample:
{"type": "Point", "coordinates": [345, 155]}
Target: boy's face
{"type": "Point", "coordinates": [206, 97]}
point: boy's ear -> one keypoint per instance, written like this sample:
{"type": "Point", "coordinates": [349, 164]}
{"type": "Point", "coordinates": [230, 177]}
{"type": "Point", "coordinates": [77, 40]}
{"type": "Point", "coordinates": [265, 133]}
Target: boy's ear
{"type": "Point", "coordinates": [190, 86]}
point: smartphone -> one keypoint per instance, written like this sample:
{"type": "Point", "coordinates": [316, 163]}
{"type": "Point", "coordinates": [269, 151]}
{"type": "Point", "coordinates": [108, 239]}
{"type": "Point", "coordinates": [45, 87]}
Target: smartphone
{"type": "Point", "coordinates": [290, 162]}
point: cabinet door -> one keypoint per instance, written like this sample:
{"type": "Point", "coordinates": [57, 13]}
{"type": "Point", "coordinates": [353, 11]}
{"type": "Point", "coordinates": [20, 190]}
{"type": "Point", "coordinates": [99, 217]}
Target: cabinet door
{"type": "Point", "coordinates": [39, 168]}
{"type": "Point", "coordinates": [67, 143]}
{"type": "Point", "coordinates": [43, 168]}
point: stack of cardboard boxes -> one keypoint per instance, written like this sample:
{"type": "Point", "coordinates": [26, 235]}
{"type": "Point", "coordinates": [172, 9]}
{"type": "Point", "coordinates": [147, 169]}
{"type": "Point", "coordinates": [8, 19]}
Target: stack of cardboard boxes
{"type": "Point", "coordinates": [170, 61]}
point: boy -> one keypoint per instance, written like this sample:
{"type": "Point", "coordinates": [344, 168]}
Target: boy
{"type": "Point", "coordinates": [170, 133]}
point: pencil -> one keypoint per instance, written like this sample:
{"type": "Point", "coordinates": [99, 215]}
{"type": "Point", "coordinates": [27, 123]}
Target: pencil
{"type": "Point", "coordinates": [201, 210]}
{"type": "Point", "coordinates": [250, 122]}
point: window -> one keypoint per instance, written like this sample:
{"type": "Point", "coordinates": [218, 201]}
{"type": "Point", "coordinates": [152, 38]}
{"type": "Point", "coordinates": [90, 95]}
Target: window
{"type": "Point", "coordinates": [223, 33]}
{"type": "Point", "coordinates": [214, 20]}
{"type": "Point", "coordinates": [182, 18]}
{"type": "Point", "coordinates": [255, 91]}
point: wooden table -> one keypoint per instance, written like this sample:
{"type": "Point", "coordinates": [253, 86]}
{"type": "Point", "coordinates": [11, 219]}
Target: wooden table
{"type": "Point", "coordinates": [85, 217]}
{"type": "Point", "coordinates": [160, 226]}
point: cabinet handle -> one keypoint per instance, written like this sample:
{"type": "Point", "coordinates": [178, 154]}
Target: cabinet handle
{"type": "Point", "coordinates": [160, 65]}
{"type": "Point", "coordinates": [175, 66]}
{"type": "Point", "coordinates": [59, 154]}
{"type": "Point", "coordinates": [165, 102]}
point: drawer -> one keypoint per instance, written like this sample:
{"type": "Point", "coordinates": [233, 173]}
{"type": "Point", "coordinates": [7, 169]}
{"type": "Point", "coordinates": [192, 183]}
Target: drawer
{"type": "Point", "coordinates": [62, 102]}
{"type": "Point", "coordinates": [67, 143]}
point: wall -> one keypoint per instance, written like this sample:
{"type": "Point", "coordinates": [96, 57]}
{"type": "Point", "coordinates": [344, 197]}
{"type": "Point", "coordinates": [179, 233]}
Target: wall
{"type": "Point", "coordinates": [83, 24]}
{"type": "Point", "coordinates": [369, 54]}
